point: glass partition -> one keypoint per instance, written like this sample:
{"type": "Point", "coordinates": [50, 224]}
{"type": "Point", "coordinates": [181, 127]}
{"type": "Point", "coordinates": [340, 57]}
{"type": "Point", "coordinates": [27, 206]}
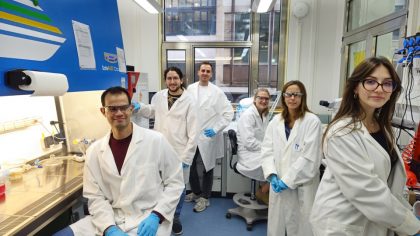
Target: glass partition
{"type": "Point", "coordinates": [176, 58]}
{"type": "Point", "coordinates": [357, 53]}
{"type": "Point", "coordinates": [387, 44]}
{"type": "Point", "coordinates": [230, 69]}
{"type": "Point", "coordinates": [195, 20]}
{"type": "Point", "coordinates": [269, 49]}
{"type": "Point", "coordinates": [363, 12]}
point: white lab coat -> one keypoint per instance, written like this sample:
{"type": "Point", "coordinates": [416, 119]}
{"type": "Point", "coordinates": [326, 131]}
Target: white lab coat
{"type": "Point", "coordinates": [358, 194]}
{"type": "Point", "coordinates": [296, 161]}
{"type": "Point", "coordinates": [214, 112]}
{"type": "Point", "coordinates": [151, 179]}
{"type": "Point", "coordinates": [251, 130]}
{"type": "Point", "coordinates": [178, 125]}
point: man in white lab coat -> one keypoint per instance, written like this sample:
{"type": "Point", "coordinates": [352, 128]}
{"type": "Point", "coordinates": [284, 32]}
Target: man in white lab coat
{"type": "Point", "coordinates": [175, 115]}
{"type": "Point", "coordinates": [214, 114]}
{"type": "Point", "coordinates": [131, 179]}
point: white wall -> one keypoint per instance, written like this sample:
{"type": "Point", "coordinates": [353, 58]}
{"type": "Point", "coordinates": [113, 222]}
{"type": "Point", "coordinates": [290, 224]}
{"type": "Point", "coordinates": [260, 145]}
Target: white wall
{"type": "Point", "coordinates": [140, 31]}
{"type": "Point", "coordinates": [317, 62]}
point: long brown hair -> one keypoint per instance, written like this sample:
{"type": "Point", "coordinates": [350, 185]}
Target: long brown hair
{"type": "Point", "coordinates": [303, 105]}
{"type": "Point", "coordinates": [350, 105]}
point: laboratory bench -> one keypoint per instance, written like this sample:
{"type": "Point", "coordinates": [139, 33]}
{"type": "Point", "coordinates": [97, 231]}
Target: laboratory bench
{"type": "Point", "coordinates": [39, 196]}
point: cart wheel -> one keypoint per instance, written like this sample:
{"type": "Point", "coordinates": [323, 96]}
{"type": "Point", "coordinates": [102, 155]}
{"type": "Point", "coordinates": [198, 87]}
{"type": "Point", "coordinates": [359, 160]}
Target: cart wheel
{"type": "Point", "coordinates": [228, 215]}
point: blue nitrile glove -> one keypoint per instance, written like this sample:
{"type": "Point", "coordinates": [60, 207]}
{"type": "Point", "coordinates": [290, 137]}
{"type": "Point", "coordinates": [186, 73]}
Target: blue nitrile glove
{"type": "Point", "coordinates": [209, 132]}
{"type": "Point", "coordinates": [275, 182]}
{"type": "Point", "coordinates": [282, 185]}
{"type": "Point", "coordinates": [185, 166]}
{"type": "Point", "coordinates": [149, 225]}
{"type": "Point", "coordinates": [136, 106]}
{"type": "Point", "coordinates": [114, 231]}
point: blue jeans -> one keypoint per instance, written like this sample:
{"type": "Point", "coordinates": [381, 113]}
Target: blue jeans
{"type": "Point", "coordinates": [64, 232]}
{"type": "Point", "coordinates": [180, 203]}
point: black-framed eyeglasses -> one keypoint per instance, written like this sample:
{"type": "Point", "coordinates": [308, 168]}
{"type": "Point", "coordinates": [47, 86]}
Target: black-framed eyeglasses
{"type": "Point", "coordinates": [115, 109]}
{"type": "Point", "coordinates": [263, 98]}
{"type": "Point", "coordinates": [388, 86]}
{"type": "Point", "coordinates": [289, 95]}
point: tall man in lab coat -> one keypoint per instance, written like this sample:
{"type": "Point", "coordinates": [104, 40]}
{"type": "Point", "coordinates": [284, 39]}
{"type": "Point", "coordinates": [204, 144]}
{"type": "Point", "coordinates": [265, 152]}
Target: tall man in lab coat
{"type": "Point", "coordinates": [131, 179]}
{"type": "Point", "coordinates": [214, 114]}
{"type": "Point", "coordinates": [175, 113]}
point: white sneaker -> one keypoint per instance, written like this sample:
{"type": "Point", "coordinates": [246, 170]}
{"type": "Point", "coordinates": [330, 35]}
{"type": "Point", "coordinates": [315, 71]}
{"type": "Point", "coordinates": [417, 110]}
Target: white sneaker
{"type": "Point", "coordinates": [201, 204]}
{"type": "Point", "coordinates": [191, 197]}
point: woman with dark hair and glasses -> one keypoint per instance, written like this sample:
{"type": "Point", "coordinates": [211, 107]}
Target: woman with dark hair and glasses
{"type": "Point", "coordinates": [361, 192]}
{"type": "Point", "coordinates": [291, 156]}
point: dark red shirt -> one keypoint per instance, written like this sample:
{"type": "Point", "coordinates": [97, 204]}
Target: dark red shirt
{"type": "Point", "coordinates": [119, 150]}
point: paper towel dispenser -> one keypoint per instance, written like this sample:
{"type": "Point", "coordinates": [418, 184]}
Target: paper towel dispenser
{"type": "Point", "coordinates": [41, 83]}
{"type": "Point", "coordinates": [15, 78]}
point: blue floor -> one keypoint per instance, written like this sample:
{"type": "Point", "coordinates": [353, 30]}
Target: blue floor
{"type": "Point", "coordinates": [212, 221]}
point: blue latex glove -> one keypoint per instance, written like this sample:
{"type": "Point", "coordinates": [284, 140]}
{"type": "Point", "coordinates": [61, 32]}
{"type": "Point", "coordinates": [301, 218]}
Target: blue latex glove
{"type": "Point", "coordinates": [136, 106]}
{"type": "Point", "coordinates": [282, 185]}
{"type": "Point", "coordinates": [114, 231]}
{"type": "Point", "coordinates": [149, 226]}
{"type": "Point", "coordinates": [185, 166]}
{"type": "Point", "coordinates": [209, 132]}
{"type": "Point", "coordinates": [275, 182]}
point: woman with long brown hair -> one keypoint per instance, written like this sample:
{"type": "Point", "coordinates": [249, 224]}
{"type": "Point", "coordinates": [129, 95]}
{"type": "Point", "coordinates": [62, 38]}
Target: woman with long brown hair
{"type": "Point", "coordinates": [361, 191]}
{"type": "Point", "coordinates": [291, 156]}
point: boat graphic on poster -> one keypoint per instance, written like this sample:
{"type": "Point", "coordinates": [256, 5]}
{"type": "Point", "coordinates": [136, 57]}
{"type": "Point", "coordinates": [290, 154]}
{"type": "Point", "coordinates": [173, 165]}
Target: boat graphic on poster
{"type": "Point", "coordinates": [26, 31]}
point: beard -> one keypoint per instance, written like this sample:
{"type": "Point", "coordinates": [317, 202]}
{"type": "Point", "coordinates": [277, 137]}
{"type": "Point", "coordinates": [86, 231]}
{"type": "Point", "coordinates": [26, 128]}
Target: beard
{"type": "Point", "coordinates": [177, 88]}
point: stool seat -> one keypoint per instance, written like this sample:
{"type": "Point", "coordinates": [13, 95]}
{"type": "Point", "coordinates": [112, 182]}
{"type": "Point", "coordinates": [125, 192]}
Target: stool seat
{"type": "Point", "coordinates": [250, 210]}
{"type": "Point", "coordinates": [244, 200]}
{"type": "Point", "coordinates": [248, 206]}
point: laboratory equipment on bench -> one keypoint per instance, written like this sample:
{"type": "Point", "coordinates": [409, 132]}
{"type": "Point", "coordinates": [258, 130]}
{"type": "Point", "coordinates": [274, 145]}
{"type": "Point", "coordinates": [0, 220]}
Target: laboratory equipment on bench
{"type": "Point", "coordinates": [82, 144]}
{"type": "Point", "coordinates": [332, 106]}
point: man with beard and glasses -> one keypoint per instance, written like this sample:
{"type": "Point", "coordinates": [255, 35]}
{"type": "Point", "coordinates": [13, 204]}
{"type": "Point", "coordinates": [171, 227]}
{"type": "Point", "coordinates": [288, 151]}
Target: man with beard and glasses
{"type": "Point", "coordinates": [175, 116]}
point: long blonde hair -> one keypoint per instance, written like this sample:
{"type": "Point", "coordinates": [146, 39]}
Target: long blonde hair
{"type": "Point", "coordinates": [258, 91]}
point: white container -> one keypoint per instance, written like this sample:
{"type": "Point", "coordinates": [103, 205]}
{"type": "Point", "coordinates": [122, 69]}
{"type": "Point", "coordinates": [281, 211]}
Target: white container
{"type": "Point", "coordinates": [16, 174]}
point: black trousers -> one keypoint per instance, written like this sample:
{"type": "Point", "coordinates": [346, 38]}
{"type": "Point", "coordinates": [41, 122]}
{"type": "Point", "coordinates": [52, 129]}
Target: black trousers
{"type": "Point", "coordinates": [197, 166]}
